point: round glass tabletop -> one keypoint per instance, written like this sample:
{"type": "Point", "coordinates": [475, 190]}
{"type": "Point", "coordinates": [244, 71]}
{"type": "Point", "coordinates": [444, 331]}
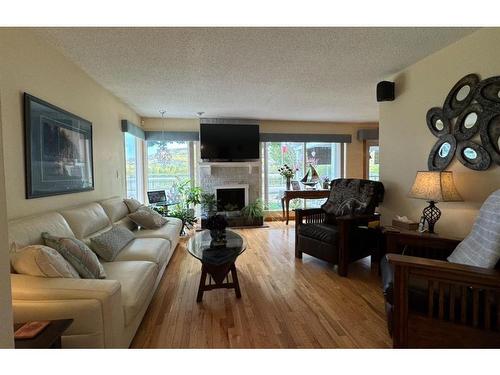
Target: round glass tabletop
{"type": "Point", "coordinates": [199, 247]}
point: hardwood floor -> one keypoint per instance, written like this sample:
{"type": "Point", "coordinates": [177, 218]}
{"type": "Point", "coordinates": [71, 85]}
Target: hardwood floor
{"type": "Point", "coordinates": [286, 302]}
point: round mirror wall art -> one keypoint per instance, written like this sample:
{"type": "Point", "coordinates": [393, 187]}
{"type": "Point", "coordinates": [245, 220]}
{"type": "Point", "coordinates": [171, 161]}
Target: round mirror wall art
{"type": "Point", "coordinates": [471, 107]}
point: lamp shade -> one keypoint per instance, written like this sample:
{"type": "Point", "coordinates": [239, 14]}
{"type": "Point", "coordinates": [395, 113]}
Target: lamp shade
{"type": "Point", "coordinates": [435, 186]}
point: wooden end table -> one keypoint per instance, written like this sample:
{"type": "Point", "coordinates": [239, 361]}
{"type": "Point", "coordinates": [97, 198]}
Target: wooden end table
{"type": "Point", "coordinates": [217, 263]}
{"type": "Point", "coordinates": [288, 195]}
{"type": "Point", "coordinates": [49, 338]}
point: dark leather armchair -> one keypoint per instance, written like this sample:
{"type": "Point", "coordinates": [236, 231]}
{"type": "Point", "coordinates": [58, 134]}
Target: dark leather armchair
{"type": "Point", "coordinates": [337, 232]}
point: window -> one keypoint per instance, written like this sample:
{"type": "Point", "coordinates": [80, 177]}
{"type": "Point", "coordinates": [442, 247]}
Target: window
{"type": "Point", "coordinates": [168, 164]}
{"type": "Point", "coordinates": [133, 166]}
{"type": "Point", "coordinates": [325, 157]}
{"type": "Point", "coordinates": [373, 166]}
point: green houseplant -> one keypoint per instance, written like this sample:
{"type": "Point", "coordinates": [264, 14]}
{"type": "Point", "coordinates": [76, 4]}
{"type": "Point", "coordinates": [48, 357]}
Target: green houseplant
{"type": "Point", "coordinates": [254, 212]}
{"type": "Point", "coordinates": [208, 203]}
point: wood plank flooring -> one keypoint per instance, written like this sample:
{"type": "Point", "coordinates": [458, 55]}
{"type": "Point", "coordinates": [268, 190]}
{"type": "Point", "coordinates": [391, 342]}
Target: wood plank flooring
{"type": "Point", "coordinates": [286, 302]}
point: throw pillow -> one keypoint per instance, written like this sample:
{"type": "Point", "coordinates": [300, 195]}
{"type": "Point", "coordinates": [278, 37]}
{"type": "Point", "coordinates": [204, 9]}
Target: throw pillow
{"type": "Point", "coordinates": [351, 197]}
{"type": "Point", "coordinates": [481, 247]}
{"type": "Point", "coordinates": [39, 260]}
{"type": "Point", "coordinates": [108, 244]}
{"type": "Point", "coordinates": [147, 218]}
{"type": "Point", "coordinates": [78, 255]}
{"type": "Point", "coordinates": [132, 204]}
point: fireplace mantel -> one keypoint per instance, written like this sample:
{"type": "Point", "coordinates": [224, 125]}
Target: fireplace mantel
{"type": "Point", "coordinates": [230, 164]}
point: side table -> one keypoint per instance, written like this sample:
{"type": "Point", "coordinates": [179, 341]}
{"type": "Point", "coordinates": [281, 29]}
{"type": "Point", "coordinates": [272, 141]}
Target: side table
{"type": "Point", "coordinates": [49, 338]}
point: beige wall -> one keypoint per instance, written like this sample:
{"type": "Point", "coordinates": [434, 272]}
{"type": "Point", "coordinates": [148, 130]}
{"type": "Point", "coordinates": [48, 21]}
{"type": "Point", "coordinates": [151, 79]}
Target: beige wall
{"type": "Point", "coordinates": [6, 334]}
{"type": "Point", "coordinates": [354, 151]}
{"type": "Point", "coordinates": [405, 140]}
{"type": "Point", "coordinates": [30, 65]}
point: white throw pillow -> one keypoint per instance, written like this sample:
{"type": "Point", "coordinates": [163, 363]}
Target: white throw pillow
{"type": "Point", "coordinates": [132, 204]}
{"type": "Point", "coordinates": [39, 260]}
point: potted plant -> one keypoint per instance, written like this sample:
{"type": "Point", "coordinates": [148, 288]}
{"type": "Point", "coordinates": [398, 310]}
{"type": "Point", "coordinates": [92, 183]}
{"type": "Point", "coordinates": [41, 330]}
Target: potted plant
{"type": "Point", "coordinates": [254, 212]}
{"type": "Point", "coordinates": [208, 204]}
{"type": "Point", "coordinates": [217, 225]}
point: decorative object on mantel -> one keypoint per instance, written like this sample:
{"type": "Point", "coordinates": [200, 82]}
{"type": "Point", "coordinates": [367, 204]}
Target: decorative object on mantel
{"type": "Point", "coordinates": [434, 186]}
{"type": "Point", "coordinates": [217, 225]}
{"type": "Point", "coordinates": [58, 150]}
{"type": "Point", "coordinates": [472, 107]}
{"type": "Point", "coordinates": [288, 173]}
{"type": "Point", "coordinates": [312, 181]}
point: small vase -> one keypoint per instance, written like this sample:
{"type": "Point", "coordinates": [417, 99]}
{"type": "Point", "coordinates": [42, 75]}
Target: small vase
{"type": "Point", "coordinates": [288, 183]}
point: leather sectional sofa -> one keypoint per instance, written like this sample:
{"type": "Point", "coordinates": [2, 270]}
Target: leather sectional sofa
{"type": "Point", "coordinates": [106, 312]}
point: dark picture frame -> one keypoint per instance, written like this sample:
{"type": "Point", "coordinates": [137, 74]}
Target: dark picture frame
{"type": "Point", "coordinates": [58, 150]}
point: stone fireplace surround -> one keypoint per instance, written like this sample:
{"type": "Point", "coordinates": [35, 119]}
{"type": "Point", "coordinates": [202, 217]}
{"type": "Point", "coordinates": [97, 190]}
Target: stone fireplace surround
{"type": "Point", "coordinates": [247, 175]}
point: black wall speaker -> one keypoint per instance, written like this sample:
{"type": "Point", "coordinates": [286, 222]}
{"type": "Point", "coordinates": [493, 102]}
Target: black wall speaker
{"type": "Point", "coordinates": [385, 91]}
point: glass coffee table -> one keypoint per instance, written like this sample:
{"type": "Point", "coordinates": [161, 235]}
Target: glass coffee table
{"type": "Point", "coordinates": [216, 263]}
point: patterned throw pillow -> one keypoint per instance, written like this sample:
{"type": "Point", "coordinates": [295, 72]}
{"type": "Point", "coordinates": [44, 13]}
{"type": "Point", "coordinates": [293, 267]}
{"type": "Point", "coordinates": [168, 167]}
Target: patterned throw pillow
{"type": "Point", "coordinates": [481, 248]}
{"type": "Point", "coordinates": [39, 260]}
{"type": "Point", "coordinates": [147, 218]}
{"type": "Point", "coordinates": [108, 244]}
{"type": "Point", "coordinates": [77, 254]}
{"type": "Point", "coordinates": [132, 204]}
{"type": "Point", "coordinates": [353, 197]}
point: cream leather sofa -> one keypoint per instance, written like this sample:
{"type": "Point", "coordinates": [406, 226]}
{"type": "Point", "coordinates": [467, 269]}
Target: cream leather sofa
{"type": "Point", "coordinates": [106, 312]}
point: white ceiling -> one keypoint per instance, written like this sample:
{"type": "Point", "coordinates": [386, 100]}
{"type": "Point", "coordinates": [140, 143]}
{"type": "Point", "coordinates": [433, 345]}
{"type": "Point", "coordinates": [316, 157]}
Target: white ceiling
{"type": "Point", "coordinates": [317, 74]}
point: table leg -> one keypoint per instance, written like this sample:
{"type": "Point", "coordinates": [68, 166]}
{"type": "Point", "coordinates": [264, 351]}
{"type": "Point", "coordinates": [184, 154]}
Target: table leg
{"type": "Point", "coordinates": [287, 203]}
{"type": "Point", "coordinates": [201, 287]}
{"type": "Point", "coordinates": [235, 281]}
{"type": "Point", "coordinates": [283, 206]}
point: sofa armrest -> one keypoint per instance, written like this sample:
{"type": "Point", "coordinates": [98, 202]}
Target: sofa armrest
{"type": "Point", "coordinates": [62, 299]}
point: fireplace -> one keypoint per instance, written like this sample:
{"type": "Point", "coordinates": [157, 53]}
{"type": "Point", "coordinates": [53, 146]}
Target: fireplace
{"type": "Point", "coordinates": [231, 198]}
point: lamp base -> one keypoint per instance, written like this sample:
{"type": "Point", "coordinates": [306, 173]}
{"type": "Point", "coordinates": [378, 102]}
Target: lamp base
{"type": "Point", "coordinates": [431, 214]}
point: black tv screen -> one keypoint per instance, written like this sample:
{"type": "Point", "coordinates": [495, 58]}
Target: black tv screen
{"type": "Point", "coordinates": [229, 142]}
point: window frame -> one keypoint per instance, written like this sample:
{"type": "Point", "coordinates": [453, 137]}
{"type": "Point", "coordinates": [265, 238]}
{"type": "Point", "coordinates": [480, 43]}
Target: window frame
{"type": "Point", "coordinates": [139, 165]}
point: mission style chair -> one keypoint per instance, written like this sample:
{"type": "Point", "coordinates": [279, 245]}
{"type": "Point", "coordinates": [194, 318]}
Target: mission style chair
{"type": "Point", "coordinates": [338, 231]}
{"type": "Point", "coordinates": [446, 294]}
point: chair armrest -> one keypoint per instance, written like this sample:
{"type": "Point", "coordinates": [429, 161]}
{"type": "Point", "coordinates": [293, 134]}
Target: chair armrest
{"type": "Point", "coordinates": [449, 272]}
{"type": "Point", "coordinates": [316, 214]}
{"type": "Point", "coordinates": [38, 298]}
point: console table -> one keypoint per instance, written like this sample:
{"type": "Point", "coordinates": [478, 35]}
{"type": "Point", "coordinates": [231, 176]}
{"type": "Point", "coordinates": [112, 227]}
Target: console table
{"type": "Point", "coordinates": [288, 195]}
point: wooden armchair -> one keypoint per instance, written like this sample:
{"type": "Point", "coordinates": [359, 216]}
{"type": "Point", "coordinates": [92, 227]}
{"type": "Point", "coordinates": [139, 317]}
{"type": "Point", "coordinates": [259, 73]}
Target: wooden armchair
{"type": "Point", "coordinates": [338, 231]}
{"type": "Point", "coordinates": [437, 304]}
{"type": "Point", "coordinates": [433, 303]}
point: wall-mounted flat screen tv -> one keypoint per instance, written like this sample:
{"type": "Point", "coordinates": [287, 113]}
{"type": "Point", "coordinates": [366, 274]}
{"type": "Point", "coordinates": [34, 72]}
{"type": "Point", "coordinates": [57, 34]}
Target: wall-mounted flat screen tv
{"type": "Point", "coordinates": [229, 142]}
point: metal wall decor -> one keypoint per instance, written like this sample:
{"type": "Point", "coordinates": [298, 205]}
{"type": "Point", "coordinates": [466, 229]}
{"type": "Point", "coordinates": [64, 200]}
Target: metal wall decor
{"type": "Point", "coordinates": [468, 125]}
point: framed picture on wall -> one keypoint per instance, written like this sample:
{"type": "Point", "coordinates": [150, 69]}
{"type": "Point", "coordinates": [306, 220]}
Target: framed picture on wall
{"type": "Point", "coordinates": [58, 150]}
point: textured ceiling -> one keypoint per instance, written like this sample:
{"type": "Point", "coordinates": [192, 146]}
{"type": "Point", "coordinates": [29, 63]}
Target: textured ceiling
{"type": "Point", "coordinates": [317, 74]}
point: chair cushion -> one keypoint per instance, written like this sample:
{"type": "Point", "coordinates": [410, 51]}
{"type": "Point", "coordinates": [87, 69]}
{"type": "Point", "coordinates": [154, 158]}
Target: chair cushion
{"type": "Point", "coordinates": [155, 250]}
{"type": "Point", "coordinates": [137, 280]}
{"type": "Point", "coordinates": [353, 197]}
{"type": "Point", "coordinates": [321, 232]}
{"type": "Point", "coordinates": [481, 247]}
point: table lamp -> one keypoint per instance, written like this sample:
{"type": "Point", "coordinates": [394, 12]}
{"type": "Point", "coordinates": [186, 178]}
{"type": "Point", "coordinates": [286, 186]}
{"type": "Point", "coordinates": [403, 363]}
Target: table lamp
{"type": "Point", "coordinates": [434, 187]}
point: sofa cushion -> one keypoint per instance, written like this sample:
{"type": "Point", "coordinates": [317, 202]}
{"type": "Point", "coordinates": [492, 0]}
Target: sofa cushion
{"type": "Point", "coordinates": [155, 250]}
{"type": "Point", "coordinates": [169, 231]}
{"type": "Point", "coordinates": [40, 260]}
{"type": "Point", "coordinates": [147, 218]}
{"type": "Point", "coordinates": [481, 248]}
{"type": "Point", "coordinates": [137, 281]}
{"type": "Point", "coordinates": [353, 197]}
{"type": "Point", "coordinates": [87, 220]}
{"type": "Point", "coordinates": [83, 260]}
{"type": "Point", "coordinates": [28, 231]}
{"type": "Point", "coordinates": [321, 232]}
{"type": "Point", "coordinates": [115, 208]}
{"type": "Point", "coordinates": [108, 244]}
